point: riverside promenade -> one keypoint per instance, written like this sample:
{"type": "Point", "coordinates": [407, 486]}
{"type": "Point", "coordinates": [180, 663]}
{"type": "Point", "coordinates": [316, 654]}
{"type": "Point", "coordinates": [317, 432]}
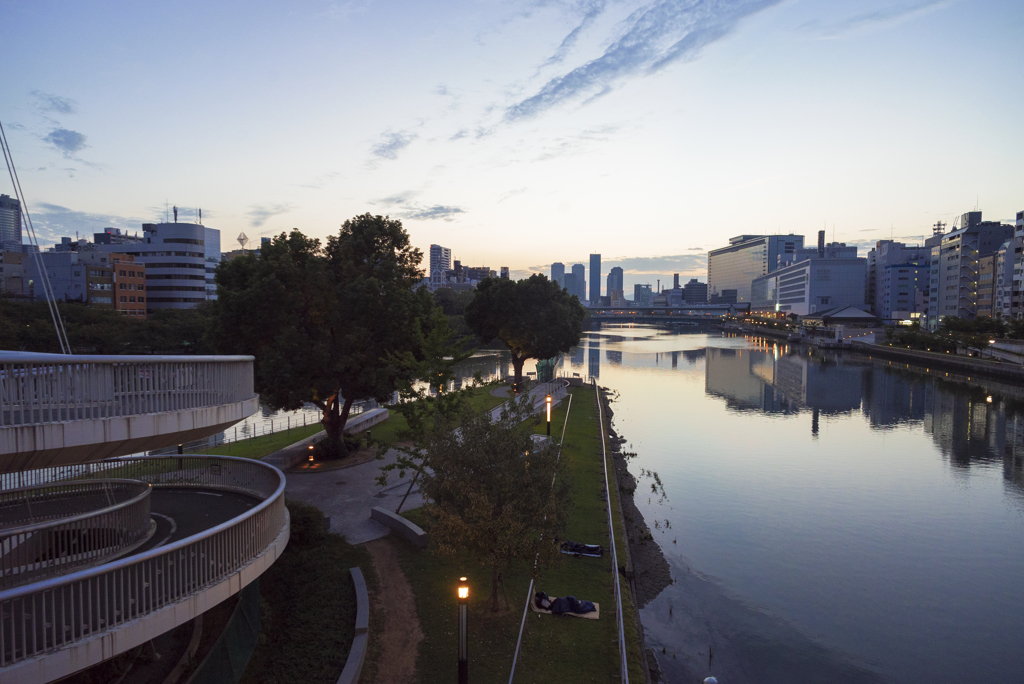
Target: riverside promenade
{"type": "Point", "coordinates": [347, 494]}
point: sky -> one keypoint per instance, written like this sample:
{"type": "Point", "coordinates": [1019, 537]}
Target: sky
{"type": "Point", "coordinates": [520, 133]}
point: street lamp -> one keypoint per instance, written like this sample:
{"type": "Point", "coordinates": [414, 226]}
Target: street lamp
{"type": "Point", "coordinates": [547, 400]}
{"type": "Point", "coordinates": [463, 631]}
{"type": "Point", "coordinates": [311, 449]}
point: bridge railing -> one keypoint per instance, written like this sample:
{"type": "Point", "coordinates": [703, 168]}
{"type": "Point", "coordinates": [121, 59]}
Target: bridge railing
{"type": "Point", "coordinates": [49, 388]}
{"type": "Point", "coordinates": [57, 528]}
{"type": "Point", "coordinates": [58, 612]}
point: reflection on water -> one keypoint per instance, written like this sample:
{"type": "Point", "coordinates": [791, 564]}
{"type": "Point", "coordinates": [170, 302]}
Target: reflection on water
{"type": "Point", "coordinates": [834, 518]}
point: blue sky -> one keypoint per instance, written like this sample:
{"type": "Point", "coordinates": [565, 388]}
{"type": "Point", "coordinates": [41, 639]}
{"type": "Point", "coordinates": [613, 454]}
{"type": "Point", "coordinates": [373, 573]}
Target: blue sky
{"type": "Point", "coordinates": [520, 133]}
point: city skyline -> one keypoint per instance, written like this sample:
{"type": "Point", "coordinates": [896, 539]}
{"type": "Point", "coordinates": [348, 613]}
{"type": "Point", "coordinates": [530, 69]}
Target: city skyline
{"type": "Point", "coordinates": [521, 134]}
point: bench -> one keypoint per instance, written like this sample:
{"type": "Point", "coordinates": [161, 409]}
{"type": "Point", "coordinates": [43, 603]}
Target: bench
{"type": "Point", "coordinates": [405, 528]}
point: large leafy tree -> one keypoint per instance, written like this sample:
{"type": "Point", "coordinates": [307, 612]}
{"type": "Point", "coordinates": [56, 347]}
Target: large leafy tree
{"type": "Point", "coordinates": [329, 324]}
{"type": "Point", "coordinates": [535, 318]}
{"type": "Point", "coordinates": [493, 492]}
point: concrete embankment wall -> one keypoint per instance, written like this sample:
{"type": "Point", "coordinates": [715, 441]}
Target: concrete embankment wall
{"type": "Point", "coordinates": [961, 364]}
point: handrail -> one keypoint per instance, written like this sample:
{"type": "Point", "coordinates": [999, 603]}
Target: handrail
{"type": "Point", "coordinates": [60, 544]}
{"type": "Point", "coordinates": [51, 388]}
{"type": "Point", "coordinates": [92, 602]}
{"type": "Point", "coordinates": [62, 520]}
{"type": "Point", "coordinates": [163, 550]}
{"type": "Point", "coordinates": [40, 357]}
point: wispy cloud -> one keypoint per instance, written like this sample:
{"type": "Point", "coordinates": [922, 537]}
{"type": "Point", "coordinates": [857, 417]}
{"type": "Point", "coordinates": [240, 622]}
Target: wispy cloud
{"type": "Point", "coordinates": [391, 143]}
{"type": "Point", "coordinates": [409, 209]}
{"type": "Point", "coordinates": [459, 135]}
{"type": "Point", "coordinates": [68, 142]}
{"type": "Point", "coordinates": [884, 16]}
{"type": "Point", "coordinates": [575, 144]}
{"type": "Point", "coordinates": [659, 34]}
{"type": "Point", "coordinates": [319, 182]}
{"type": "Point", "coordinates": [438, 211]}
{"type": "Point", "coordinates": [259, 214]}
{"type": "Point", "coordinates": [48, 102]}
{"type": "Point", "coordinates": [53, 221]}
{"type": "Point", "coordinates": [510, 194]}
{"type": "Point", "coordinates": [591, 10]}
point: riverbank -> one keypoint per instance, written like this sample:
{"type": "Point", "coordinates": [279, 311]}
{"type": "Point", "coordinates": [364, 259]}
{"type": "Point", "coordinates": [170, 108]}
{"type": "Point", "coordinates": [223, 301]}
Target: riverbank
{"type": "Point", "coordinates": [645, 569]}
{"type": "Point", "coordinates": [953, 362]}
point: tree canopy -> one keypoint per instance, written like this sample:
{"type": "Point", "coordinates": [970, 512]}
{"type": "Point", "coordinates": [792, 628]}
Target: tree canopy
{"type": "Point", "coordinates": [328, 324]}
{"type": "Point", "coordinates": [493, 492]}
{"type": "Point", "coordinates": [535, 318]}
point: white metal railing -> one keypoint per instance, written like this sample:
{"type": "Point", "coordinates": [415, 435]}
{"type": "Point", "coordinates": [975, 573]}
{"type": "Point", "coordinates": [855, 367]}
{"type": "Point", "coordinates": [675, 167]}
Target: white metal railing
{"type": "Point", "coordinates": [58, 528]}
{"type": "Point", "coordinates": [54, 613]}
{"type": "Point", "coordinates": [48, 388]}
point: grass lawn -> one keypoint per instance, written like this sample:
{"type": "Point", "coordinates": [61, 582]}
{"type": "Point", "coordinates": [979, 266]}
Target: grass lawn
{"type": "Point", "coordinates": [261, 446]}
{"type": "Point", "coordinates": [389, 431]}
{"type": "Point", "coordinates": [308, 605]}
{"type": "Point", "coordinates": [555, 649]}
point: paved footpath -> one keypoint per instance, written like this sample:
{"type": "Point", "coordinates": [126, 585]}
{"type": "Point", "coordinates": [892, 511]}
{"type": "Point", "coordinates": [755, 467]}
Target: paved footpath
{"type": "Point", "coordinates": [346, 495]}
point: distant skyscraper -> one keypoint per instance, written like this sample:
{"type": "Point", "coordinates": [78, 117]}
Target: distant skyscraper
{"type": "Point", "coordinates": [440, 259]}
{"type": "Point", "coordinates": [558, 273]}
{"type": "Point", "coordinates": [614, 280]}
{"type": "Point", "coordinates": [569, 283]}
{"type": "Point", "coordinates": [748, 257]}
{"type": "Point", "coordinates": [10, 223]}
{"type": "Point", "coordinates": [642, 295]}
{"type": "Point", "coordinates": [580, 271]}
{"type": "Point", "coordinates": [504, 272]}
{"type": "Point", "coordinates": [595, 278]}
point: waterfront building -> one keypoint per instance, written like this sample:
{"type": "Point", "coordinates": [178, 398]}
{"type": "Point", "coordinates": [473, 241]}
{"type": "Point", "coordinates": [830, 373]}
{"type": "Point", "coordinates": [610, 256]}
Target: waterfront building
{"type": "Point", "coordinates": [440, 259]}
{"type": "Point", "coordinates": [558, 273]}
{"type": "Point", "coordinates": [986, 285]}
{"type": "Point", "coordinates": [642, 295]}
{"type": "Point", "coordinates": [898, 280]}
{"type": "Point", "coordinates": [580, 271]}
{"type": "Point", "coordinates": [10, 223]}
{"type": "Point", "coordinates": [955, 266]}
{"type": "Point", "coordinates": [175, 259]}
{"type": "Point", "coordinates": [1017, 280]}
{"type": "Point", "coordinates": [829, 277]}
{"type": "Point", "coordinates": [614, 281]}
{"type": "Point", "coordinates": [694, 292]}
{"type": "Point", "coordinates": [1003, 297]}
{"type": "Point", "coordinates": [595, 278]}
{"type": "Point", "coordinates": [747, 257]}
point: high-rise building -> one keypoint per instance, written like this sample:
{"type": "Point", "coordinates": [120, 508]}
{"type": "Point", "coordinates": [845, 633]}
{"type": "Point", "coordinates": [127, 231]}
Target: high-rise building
{"type": "Point", "coordinates": [642, 295]}
{"type": "Point", "coordinates": [440, 259]}
{"type": "Point", "coordinates": [504, 272]}
{"type": "Point", "coordinates": [211, 251]}
{"type": "Point", "coordinates": [955, 266]}
{"type": "Point", "coordinates": [614, 280]}
{"type": "Point", "coordinates": [595, 278]}
{"type": "Point", "coordinates": [748, 257]}
{"type": "Point", "coordinates": [558, 273]}
{"type": "Point", "coordinates": [175, 259]}
{"type": "Point", "coordinates": [675, 281]}
{"type": "Point", "coordinates": [898, 280]}
{"type": "Point", "coordinates": [10, 223]}
{"type": "Point", "coordinates": [570, 284]}
{"type": "Point", "coordinates": [580, 271]}
{"type": "Point", "coordinates": [694, 292]}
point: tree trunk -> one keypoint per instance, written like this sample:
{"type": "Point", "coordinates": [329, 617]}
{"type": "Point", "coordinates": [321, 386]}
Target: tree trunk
{"type": "Point", "coordinates": [335, 417]}
{"type": "Point", "coordinates": [517, 366]}
{"type": "Point", "coordinates": [494, 589]}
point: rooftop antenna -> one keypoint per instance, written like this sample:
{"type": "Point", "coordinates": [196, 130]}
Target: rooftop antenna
{"type": "Point", "coordinates": [165, 210]}
{"type": "Point", "coordinates": [200, 216]}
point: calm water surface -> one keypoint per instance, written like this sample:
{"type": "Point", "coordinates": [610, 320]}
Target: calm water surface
{"type": "Point", "coordinates": [826, 519]}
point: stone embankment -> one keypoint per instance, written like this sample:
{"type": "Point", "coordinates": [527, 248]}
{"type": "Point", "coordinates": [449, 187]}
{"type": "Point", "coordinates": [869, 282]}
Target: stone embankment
{"type": "Point", "coordinates": [646, 569]}
{"type": "Point", "coordinates": [960, 364]}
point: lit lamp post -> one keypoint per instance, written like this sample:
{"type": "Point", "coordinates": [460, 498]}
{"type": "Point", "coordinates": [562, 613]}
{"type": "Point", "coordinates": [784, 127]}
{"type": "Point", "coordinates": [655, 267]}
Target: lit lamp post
{"type": "Point", "coordinates": [547, 400]}
{"type": "Point", "coordinates": [311, 449]}
{"type": "Point", "coordinates": [463, 631]}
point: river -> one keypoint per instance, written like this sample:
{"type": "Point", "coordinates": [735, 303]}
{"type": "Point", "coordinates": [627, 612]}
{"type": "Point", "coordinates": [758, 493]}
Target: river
{"type": "Point", "coordinates": [826, 519]}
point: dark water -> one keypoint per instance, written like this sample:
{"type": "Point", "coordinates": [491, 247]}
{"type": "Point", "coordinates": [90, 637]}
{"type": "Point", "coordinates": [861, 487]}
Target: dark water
{"type": "Point", "coordinates": [827, 519]}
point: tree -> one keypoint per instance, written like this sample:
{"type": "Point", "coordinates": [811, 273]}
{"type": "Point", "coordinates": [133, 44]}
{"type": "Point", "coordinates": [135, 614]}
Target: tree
{"type": "Point", "coordinates": [494, 494]}
{"type": "Point", "coordinates": [535, 318]}
{"type": "Point", "coordinates": [326, 323]}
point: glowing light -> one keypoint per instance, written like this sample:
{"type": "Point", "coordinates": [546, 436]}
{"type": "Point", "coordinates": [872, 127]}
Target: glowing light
{"type": "Point", "coordinates": [463, 588]}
